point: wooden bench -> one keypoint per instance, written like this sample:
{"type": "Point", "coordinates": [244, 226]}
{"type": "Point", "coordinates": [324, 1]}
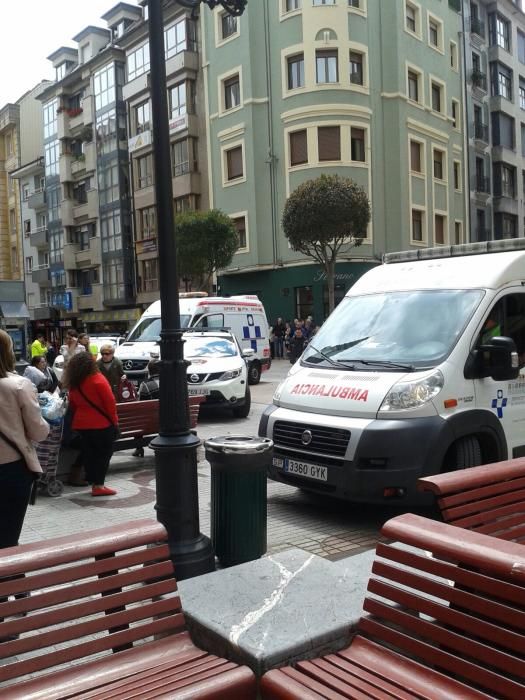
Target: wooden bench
{"type": "Point", "coordinates": [488, 499]}
{"type": "Point", "coordinates": [445, 619]}
{"type": "Point", "coordinates": [139, 421]}
{"type": "Point", "coordinates": [103, 620]}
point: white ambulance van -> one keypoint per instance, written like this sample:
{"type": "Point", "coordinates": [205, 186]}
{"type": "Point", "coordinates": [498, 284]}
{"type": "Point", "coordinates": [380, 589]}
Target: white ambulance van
{"type": "Point", "coordinates": [243, 315]}
{"type": "Point", "coordinates": [416, 372]}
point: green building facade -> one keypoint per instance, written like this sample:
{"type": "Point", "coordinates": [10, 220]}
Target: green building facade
{"type": "Point", "coordinates": [365, 89]}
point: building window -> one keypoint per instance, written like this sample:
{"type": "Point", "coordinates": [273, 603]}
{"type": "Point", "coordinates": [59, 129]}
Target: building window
{"type": "Point", "coordinates": [329, 143]}
{"type": "Point", "coordinates": [503, 130]}
{"type": "Point", "coordinates": [181, 99]}
{"type": "Point", "coordinates": [506, 185]}
{"type": "Point", "coordinates": [411, 18]}
{"type": "Point", "coordinates": [228, 25]}
{"type": "Point", "coordinates": [437, 97]}
{"type": "Point", "coordinates": [457, 175]}
{"type": "Point", "coordinates": [240, 226]}
{"type": "Point", "coordinates": [149, 275]}
{"type": "Point", "coordinates": [25, 192]}
{"type": "Point", "coordinates": [455, 114]}
{"type": "Point", "coordinates": [147, 223]}
{"type": "Point", "coordinates": [415, 157]}
{"type": "Point", "coordinates": [138, 61]}
{"type": "Point", "coordinates": [356, 68]}
{"type": "Point", "coordinates": [433, 33]}
{"type": "Point", "coordinates": [144, 170]}
{"type": "Point", "coordinates": [104, 86]}
{"type": "Point", "coordinates": [354, 3]}
{"type": "Point", "coordinates": [298, 147]}
{"type": "Point", "coordinates": [108, 182]}
{"type": "Point", "coordinates": [501, 81]}
{"type": "Point", "coordinates": [316, 3]}
{"type": "Point", "coordinates": [413, 86]}
{"type": "Point", "coordinates": [292, 5]}
{"type": "Point", "coordinates": [458, 232]}
{"type": "Point", "coordinates": [522, 93]}
{"type": "Point", "coordinates": [180, 37]}
{"type": "Point", "coordinates": [499, 31]}
{"type": "Point", "coordinates": [142, 118]}
{"type": "Point", "coordinates": [357, 144]}
{"type": "Point", "coordinates": [454, 55]}
{"type": "Point", "coordinates": [29, 264]}
{"type": "Point", "coordinates": [232, 92]}
{"type": "Point", "coordinates": [114, 285]}
{"type": "Point", "coordinates": [27, 227]}
{"type": "Point", "coordinates": [234, 166]}
{"type": "Point", "coordinates": [439, 159]}
{"type": "Point", "coordinates": [295, 71]}
{"type": "Point", "coordinates": [521, 47]}
{"type": "Point", "coordinates": [417, 225]}
{"type": "Point", "coordinates": [110, 231]}
{"type": "Point", "coordinates": [326, 68]}
{"type": "Point", "coordinates": [439, 229]}
{"type": "Point", "coordinates": [183, 159]}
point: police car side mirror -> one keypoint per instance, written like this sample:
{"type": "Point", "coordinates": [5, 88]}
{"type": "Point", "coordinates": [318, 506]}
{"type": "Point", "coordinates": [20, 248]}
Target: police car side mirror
{"type": "Point", "coordinates": [497, 359]}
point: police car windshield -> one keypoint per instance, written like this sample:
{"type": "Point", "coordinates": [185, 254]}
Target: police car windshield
{"type": "Point", "coordinates": [412, 329]}
{"type": "Point", "coordinates": [148, 329]}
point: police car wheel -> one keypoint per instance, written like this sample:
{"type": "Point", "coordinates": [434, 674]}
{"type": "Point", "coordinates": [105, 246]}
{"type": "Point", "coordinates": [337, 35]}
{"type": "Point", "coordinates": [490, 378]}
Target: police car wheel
{"type": "Point", "coordinates": [468, 453]}
{"type": "Point", "coordinates": [244, 410]}
{"type": "Point", "coordinates": [254, 373]}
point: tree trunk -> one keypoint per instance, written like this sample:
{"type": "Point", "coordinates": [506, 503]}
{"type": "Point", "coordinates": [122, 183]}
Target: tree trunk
{"type": "Point", "coordinates": [330, 275]}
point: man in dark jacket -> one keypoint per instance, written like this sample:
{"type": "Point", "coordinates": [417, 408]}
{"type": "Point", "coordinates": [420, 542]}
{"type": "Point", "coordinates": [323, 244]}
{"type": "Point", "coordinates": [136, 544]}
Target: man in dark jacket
{"type": "Point", "coordinates": [297, 345]}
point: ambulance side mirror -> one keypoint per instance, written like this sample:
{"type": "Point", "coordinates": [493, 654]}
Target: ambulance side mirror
{"type": "Point", "coordinates": [497, 358]}
{"type": "Point", "coordinates": [248, 352]}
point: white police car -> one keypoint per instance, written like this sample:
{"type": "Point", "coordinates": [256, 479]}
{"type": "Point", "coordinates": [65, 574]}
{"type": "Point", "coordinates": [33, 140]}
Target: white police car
{"type": "Point", "coordinates": [218, 370]}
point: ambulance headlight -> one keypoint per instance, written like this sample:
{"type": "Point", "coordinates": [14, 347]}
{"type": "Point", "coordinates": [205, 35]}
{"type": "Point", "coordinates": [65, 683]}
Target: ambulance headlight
{"type": "Point", "coordinates": [405, 395]}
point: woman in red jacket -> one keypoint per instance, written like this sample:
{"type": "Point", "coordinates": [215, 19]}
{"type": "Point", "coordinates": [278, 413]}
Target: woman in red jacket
{"type": "Point", "coordinates": [94, 418]}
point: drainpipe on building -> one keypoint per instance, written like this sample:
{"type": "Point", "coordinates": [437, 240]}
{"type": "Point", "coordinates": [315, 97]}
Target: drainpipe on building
{"type": "Point", "coordinates": [271, 160]}
{"type": "Point", "coordinates": [466, 130]}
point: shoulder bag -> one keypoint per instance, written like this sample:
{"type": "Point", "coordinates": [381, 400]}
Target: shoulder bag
{"type": "Point", "coordinates": [102, 413]}
{"type": "Point", "coordinates": [36, 475]}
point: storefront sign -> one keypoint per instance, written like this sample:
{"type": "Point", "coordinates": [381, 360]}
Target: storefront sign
{"type": "Point", "coordinates": [178, 124]}
{"type": "Point", "coordinates": [62, 300]}
{"type": "Point", "coordinates": [321, 276]}
{"type": "Point", "coordinates": [117, 315]}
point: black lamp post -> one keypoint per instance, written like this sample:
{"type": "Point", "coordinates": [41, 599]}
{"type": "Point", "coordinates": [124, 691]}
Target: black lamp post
{"type": "Point", "coordinates": [176, 446]}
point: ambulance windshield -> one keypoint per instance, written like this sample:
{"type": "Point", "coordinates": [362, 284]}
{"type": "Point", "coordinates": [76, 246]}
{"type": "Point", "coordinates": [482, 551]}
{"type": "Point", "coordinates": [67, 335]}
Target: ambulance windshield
{"type": "Point", "coordinates": [416, 329]}
{"type": "Point", "coordinates": [148, 329]}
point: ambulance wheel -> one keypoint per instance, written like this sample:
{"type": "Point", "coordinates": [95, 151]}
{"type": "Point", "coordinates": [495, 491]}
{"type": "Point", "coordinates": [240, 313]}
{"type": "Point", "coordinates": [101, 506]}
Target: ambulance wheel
{"type": "Point", "coordinates": [468, 453]}
{"type": "Point", "coordinates": [254, 373]}
{"type": "Point", "coordinates": [244, 410]}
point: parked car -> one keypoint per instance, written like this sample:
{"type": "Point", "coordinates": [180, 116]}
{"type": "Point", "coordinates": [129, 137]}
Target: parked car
{"type": "Point", "coordinates": [218, 370]}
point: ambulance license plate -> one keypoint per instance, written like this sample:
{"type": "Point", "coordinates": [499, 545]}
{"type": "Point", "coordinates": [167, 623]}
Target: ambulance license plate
{"type": "Point", "coordinates": [304, 469]}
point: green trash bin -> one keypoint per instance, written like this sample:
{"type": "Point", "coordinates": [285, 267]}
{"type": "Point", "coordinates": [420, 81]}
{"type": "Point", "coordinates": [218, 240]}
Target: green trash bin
{"type": "Point", "coordinates": [238, 496]}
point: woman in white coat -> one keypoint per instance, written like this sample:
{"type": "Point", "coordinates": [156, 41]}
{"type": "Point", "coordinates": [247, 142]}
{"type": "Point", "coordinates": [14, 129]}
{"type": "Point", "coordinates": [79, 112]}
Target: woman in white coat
{"type": "Point", "coordinates": [21, 423]}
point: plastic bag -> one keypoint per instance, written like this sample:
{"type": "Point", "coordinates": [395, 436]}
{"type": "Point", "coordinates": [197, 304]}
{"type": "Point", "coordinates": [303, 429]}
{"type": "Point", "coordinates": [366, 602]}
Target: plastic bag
{"type": "Point", "coordinates": [52, 406]}
{"type": "Point", "coordinates": [126, 391]}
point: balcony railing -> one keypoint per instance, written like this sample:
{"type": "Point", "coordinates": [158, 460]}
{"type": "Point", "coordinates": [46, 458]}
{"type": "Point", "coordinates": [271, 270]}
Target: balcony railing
{"type": "Point", "coordinates": [37, 199]}
{"type": "Point", "coordinates": [479, 80]}
{"type": "Point", "coordinates": [481, 132]}
{"type": "Point", "coordinates": [477, 27]}
{"type": "Point", "coordinates": [482, 184]}
{"type": "Point", "coordinates": [39, 237]}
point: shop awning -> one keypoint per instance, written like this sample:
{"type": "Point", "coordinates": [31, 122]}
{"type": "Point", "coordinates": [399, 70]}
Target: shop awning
{"type": "Point", "coordinates": [13, 309]}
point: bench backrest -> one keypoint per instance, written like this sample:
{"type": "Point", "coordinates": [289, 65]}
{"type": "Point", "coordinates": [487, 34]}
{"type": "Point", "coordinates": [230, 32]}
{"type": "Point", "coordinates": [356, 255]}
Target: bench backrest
{"type": "Point", "coordinates": [488, 499]}
{"type": "Point", "coordinates": [453, 602]}
{"type": "Point", "coordinates": [94, 592]}
{"type": "Point", "coordinates": [143, 416]}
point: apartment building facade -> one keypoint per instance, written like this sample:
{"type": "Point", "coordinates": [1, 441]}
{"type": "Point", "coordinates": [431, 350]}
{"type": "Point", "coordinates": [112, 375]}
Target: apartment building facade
{"type": "Point", "coordinates": [494, 58]}
{"type": "Point", "coordinates": [187, 127]}
{"type": "Point", "coordinates": [366, 90]}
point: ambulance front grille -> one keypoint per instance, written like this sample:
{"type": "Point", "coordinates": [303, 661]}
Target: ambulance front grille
{"type": "Point", "coordinates": [327, 441]}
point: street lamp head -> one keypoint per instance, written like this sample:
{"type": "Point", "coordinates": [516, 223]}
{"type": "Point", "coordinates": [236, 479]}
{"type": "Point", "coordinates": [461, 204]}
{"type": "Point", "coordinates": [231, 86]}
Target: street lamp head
{"type": "Point", "coordinates": [232, 7]}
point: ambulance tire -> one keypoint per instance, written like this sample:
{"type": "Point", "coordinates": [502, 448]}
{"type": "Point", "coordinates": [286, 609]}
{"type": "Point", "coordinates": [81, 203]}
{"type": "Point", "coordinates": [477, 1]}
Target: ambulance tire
{"type": "Point", "coordinates": [244, 410]}
{"type": "Point", "coordinates": [468, 453]}
{"type": "Point", "coordinates": [254, 372]}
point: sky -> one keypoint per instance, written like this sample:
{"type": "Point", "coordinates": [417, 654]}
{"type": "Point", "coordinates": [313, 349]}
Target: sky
{"type": "Point", "coordinates": [36, 28]}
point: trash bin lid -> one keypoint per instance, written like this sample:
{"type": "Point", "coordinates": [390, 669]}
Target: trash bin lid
{"type": "Point", "coordinates": [238, 444]}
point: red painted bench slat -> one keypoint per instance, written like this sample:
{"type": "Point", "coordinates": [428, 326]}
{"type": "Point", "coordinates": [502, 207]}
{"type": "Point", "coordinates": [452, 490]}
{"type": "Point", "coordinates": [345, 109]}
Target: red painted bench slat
{"type": "Point", "coordinates": [110, 593]}
{"type": "Point", "coordinates": [488, 499]}
{"type": "Point", "coordinates": [444, 618]}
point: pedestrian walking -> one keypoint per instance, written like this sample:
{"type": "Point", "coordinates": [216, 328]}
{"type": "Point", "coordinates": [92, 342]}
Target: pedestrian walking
{"type": "Point", "coordinates": [297, 344]}
{"type": "Point", "coordinates": [85, 341]}
{"type": "Point", "coordinates": [111, 368]}
{"type": "Point", "coordinates": [71, 347]}
{"type": "Point", "coordinates": [94, 418]}
{"type": "Point", "coordinates": [21, 423]}
{"type": "Point", "coordinates": [39, 346]}
{"type": "Point", "coordinates": [279, 332]}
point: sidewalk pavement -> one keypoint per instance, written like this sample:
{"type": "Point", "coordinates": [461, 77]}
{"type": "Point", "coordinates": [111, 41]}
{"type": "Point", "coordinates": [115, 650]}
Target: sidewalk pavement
{"type": "Point", "coordinates": [295, 519]}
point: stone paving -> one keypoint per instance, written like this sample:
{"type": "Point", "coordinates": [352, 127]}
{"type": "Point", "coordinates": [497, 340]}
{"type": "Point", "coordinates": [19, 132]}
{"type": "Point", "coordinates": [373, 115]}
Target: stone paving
{"type": "Point", "coordinates": [295, 519]}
